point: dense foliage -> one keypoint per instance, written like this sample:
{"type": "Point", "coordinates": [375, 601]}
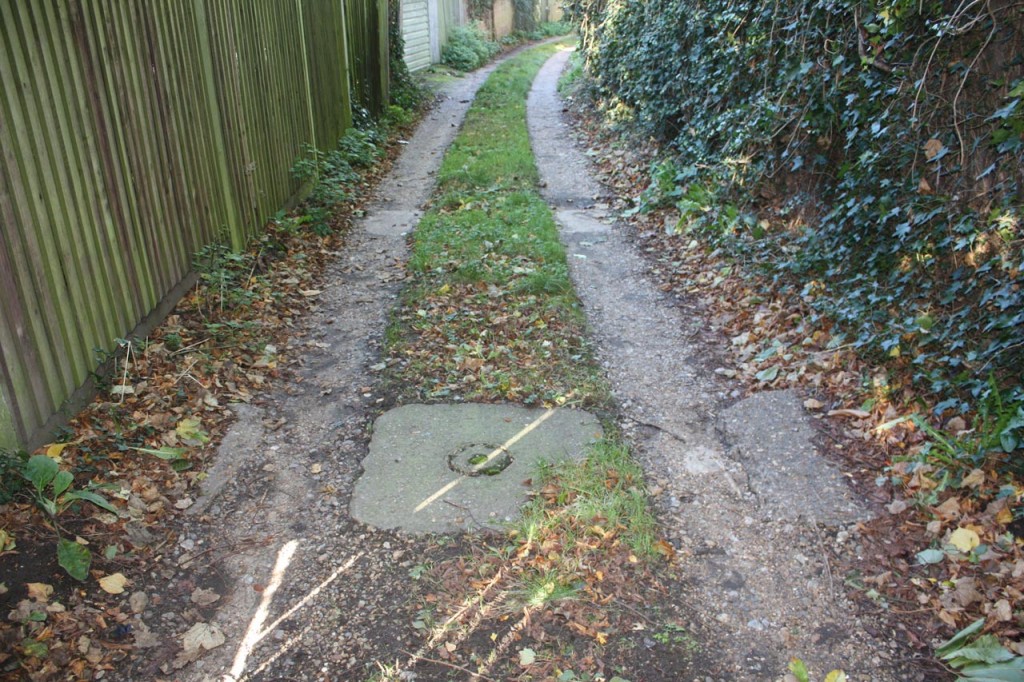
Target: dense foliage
{"type": "Point", "coordinates": [468, 48]}
{"type": "Point", "coordinates": [872, 150]}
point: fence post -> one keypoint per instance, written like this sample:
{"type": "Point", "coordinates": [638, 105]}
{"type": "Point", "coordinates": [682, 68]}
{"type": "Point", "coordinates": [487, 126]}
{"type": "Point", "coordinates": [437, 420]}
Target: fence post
{"type": "Point", "coordinates": [8, 436]}
{"type": "Point", "coordinates": [305, 77]}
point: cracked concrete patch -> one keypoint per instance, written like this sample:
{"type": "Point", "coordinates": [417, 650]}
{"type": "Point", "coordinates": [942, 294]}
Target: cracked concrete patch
{"type": "Point", "coordinates": [434, 468]}
{"type": "Point", "coordinates": [773, 438]}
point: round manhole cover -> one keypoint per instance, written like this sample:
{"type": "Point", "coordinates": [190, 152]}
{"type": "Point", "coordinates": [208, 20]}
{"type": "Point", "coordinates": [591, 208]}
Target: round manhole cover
{"type": "Point", "coordinates": [479, 459]}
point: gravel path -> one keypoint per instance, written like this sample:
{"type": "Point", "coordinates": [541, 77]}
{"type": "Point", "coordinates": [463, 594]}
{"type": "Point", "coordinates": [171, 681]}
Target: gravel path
{"type": "Point", "coordinates": [301, 590]}
{"type": "Point", "coordinates": [743, 494]}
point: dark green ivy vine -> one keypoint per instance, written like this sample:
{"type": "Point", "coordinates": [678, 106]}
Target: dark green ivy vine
{"type": "Point", "coordinates": [872, 152]}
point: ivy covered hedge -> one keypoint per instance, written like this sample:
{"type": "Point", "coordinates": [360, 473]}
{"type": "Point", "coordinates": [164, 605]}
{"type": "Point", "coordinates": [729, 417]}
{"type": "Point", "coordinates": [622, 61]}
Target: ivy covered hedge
{"type": "Point", "coordinates": [872, 152]}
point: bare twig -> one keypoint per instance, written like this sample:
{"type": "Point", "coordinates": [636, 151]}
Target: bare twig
{"type": "Point", "coordinates": [188, 348]}
{"type": "Point", "coordinates": [963, 82]}
{"type": "Point", "coordinates": [453, 666]}
{"type": "Point", "coordinates": [651, 425]}
{"type": "Point", "coordinates": [124, 377]}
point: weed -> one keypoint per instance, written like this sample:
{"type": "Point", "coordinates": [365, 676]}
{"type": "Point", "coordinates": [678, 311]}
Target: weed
{"type": "Point", "coordinates": [673, 634]}
{"type": "Point", "coordinates": [997, 432]}
{"type": "Point", "coordinates": [490, 314]}
{"type": "Point", "coordinates": [799, 670]}
{"type": "Point", "coordinates": [12, 482]}
{"type": "Point", "coordinates": [980, 657]}
{"type": "Point", "coordinates": [540, 590]}
{"type": "Point", "coordinates": [52, 490]}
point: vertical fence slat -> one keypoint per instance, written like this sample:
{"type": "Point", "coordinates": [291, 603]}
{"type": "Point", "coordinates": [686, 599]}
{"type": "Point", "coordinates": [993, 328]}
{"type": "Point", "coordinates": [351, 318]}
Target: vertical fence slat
{"type": "Point", "coordinates": [133, 133]}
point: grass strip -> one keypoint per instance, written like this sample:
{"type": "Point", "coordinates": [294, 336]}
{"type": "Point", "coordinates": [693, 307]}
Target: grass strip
{"type": "Point", "coordinates": [491, 315]}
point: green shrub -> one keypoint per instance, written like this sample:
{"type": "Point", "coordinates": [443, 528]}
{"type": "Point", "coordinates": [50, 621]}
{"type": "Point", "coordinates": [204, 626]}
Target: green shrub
{"type": "Point", "coordinates": [468, 48]}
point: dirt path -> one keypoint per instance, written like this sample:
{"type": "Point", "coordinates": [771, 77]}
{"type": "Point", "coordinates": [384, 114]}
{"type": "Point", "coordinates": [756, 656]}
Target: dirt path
{"type": "Point", "coordinates": [752, 507]}
{"type": "Point", "coordinates": [292, 586]}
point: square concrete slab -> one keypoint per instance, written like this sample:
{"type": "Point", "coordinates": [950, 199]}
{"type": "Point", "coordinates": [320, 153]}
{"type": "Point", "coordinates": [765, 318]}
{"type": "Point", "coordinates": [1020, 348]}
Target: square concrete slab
{"type": "Point", "coordinates": [444, 468]}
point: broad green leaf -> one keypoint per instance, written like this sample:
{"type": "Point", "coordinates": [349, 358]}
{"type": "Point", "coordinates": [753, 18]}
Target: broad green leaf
{"type": "Point", "coordinates": [768, 375]}
{"type": "Point", "coordinates": [166, 452]}
{"type": "Point", "coordinates": [836, 676]}
{"type": "Point", "coordinates": [89, 496]}
{"type": "Point", "coordinates": [985, 649]}
{"type": "Point", "coordinates": [74, 558]}
{"type": "Point", "coordinates": [1011, 671]}
{"type": "Point", "coordinates": [62, 482]}
{"type": "Point", "coordinates": [40, 470]}
{"type": "Point", "coordinates": [948, 649]}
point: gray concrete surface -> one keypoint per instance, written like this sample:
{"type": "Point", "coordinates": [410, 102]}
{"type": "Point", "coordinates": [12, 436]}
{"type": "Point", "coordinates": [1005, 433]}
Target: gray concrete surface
{"type": "Point", "coordinates": [418, 478]}
{"type": "Point", "coordinates": [771, 435]}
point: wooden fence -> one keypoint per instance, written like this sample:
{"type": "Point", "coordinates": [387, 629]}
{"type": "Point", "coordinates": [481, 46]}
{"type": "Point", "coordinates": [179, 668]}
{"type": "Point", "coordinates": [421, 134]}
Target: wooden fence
{"type": "Point", "coordinates": [134, 132]}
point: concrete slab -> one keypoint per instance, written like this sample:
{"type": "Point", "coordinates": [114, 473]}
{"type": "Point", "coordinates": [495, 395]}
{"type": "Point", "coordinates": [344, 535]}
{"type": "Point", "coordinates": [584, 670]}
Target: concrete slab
{"type": "Point", "coordinates": [444, 468]}
{"type": "Point", "coordinates": [573, 222]}
{"type": "Point", "coordinates": [772, 436]}
{"type": "Point", "coordinates": [391, 222]}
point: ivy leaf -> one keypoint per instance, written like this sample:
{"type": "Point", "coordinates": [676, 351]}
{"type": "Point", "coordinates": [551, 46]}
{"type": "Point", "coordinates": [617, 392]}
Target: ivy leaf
{"type": "Point", "coordinates": [35, 648]}
{"type": "Point", "coordinates": [1005, 112]}
{"type": "Point", "coordinates": [930, 556]}
{"type": "Point", "coordinates": [74, 558]}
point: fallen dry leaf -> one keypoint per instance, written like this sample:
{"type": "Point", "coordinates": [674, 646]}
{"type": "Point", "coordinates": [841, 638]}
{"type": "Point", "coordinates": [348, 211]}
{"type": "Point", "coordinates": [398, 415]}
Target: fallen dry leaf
{"type": "Point", "coordinates": [964, 539]}
{"type": "Point", "coordinates": [855, 414]}
{"type": "Point", "coordinates": [204, 597]}
{"type": "Point", "coordinates": [113, 583]}
{"type": "Point", "coordinates": [202, 636]}
{"type": "Point", "coordinates": [39, 591]}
